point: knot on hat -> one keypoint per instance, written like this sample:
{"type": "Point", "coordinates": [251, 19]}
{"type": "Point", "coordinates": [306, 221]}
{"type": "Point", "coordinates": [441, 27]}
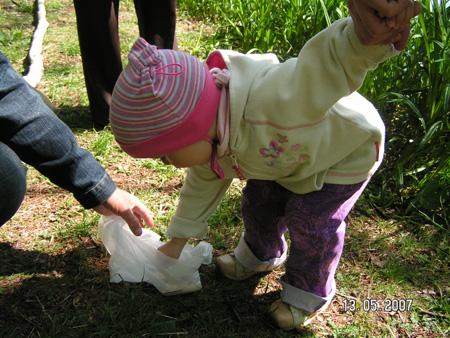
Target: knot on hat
{"type": "Point", "coordinates": [143, 55]}
{"type": "Point", "coordinates": [147, 61]}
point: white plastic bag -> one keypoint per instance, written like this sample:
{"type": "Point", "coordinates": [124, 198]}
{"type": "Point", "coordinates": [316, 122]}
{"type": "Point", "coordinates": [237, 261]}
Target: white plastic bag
{"type": "Point", "coordinates": [137, 259]}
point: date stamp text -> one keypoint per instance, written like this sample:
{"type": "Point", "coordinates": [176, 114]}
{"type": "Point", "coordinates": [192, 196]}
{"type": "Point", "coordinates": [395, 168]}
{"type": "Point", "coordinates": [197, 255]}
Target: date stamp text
{"type": "Point", "coordinates": [378, 305]}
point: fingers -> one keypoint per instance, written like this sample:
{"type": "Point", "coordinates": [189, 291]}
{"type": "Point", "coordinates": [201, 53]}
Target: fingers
{"type": "Point", "coordinates": [133, 222]}
{"type": "Point", "coordinates": [383, 22]}
{"type": "Point", "coordinates": [417, 8]}
{"type": "Point", "coordinates": [142, 212]}
{"type": "Point", "coordinates": [129, 207]}
{"type": "Point", "coordinates": [370, 27]}
{"type": "Point", "coordinates": [387, 9]}
{"type": "Point", "coordinates": [136, 215]}
{"type": "Point", "coordinates": [402, 40]}
{"type": "Point", "coordinates": [403, 19]}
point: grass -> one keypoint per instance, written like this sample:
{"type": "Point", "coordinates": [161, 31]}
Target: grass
{"type": "Point", "coordinates": [54, 279]}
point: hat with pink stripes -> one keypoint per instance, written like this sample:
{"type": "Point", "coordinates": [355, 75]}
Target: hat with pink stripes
{"type": "Point", "coordinates": [164, 100]}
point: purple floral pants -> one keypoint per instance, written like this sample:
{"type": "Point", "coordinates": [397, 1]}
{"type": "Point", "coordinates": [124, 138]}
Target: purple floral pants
{"type": "Point", "coordinates": [316, 226]}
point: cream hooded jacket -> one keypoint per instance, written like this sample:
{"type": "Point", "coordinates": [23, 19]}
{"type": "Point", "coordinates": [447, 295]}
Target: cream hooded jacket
{"type": "Point", "coordinates": [300, 123]}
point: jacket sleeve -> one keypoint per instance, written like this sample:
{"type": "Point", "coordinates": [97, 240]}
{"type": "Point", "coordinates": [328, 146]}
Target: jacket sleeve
{"type": "Point", "coordinates": [330, 66]}
{"type": "Point", "coordinates": [199, 197]}
{"type": "Point", "coordinates": [40, 139]}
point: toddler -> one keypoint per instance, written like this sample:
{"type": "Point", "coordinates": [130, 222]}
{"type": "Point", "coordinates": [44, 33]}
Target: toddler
{"type": "Point", "coordinates": [306, 142]}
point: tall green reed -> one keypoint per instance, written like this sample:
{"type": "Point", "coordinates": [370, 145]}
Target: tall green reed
{"type": "Point", "coordinates": [280, 26]}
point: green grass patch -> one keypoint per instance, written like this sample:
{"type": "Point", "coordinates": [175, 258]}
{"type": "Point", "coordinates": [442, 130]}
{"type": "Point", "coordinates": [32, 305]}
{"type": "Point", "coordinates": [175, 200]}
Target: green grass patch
{"type": "Point", "coordinates": [76, 229]}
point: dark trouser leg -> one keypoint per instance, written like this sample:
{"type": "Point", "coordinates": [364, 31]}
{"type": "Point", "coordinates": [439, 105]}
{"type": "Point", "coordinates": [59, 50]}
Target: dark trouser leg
{"type": "Point", "coordinates": [157, 19]}
{"type": "Point", "coordinates": [97, 23]}
{"type": "Point", "coordinates": [263, 204]}
{"type": "Point", "coordinates": [12, 183]}
{"type": "Point", "coordinates": [316, 223]}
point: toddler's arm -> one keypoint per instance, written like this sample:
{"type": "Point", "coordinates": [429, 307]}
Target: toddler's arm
{"type": "Point", "coordinates": [201, 193]}
{"type": "Point", "coordinates": [331, 65]}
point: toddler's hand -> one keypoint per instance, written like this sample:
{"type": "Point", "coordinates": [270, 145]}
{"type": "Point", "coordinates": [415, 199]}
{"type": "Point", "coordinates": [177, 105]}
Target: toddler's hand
{"type": "Point", "coordinates": [174, 247]}
{"type": "Point", "coordinates": [383, 21]}
{"type": "Point", "coordinates": [403, 18]}
{"type": "Point", "coordinates": [401, 39]}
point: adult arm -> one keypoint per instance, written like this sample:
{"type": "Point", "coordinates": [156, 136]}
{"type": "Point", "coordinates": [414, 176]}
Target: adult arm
{"type": "Point", "coordinates": [40, 139]}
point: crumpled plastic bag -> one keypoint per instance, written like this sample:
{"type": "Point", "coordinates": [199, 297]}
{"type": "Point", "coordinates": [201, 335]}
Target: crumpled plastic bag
{"type": "Point", "coordinates": [136, 259]}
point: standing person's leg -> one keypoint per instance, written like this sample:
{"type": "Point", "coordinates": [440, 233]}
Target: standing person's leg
{"type": "Point", "coordinates": [98, 34]}
{"type": "Point", "coordinates": [12, 183]}
{"type": "Point", "coordinates": [316, 223]}
{"type": "Point", "coordinates": [157, 20]}
{"type": "Point", "coordinates": [262, 246]}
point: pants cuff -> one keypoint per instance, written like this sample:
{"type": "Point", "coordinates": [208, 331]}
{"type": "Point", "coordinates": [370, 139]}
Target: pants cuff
{"type": "Point", "coordinates": [305, 300]}
{"type": "Point", "coordinates": [247, 258]}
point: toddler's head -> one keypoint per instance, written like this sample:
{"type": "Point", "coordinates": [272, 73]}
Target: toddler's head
{"type": "Point", "coordinates": [163, 101]}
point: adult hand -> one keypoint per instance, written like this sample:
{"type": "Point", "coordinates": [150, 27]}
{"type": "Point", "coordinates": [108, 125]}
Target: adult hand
{"type": "Point", "coordinates": [383, 21]}
{"type": "Point", "coordinates": [127, 206]}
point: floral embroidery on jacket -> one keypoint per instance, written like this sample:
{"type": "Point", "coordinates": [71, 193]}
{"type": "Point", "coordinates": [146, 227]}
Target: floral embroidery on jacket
{"type": "Point", "coordinates": [279, 156]}
{"type": "Point", "coordinates": [273, 150]}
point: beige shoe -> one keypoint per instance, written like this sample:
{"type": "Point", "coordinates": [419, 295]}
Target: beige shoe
{"type": "Point", "coordinates": [232, 269]}
{"type": "Point", "coordinates": [288, 317]}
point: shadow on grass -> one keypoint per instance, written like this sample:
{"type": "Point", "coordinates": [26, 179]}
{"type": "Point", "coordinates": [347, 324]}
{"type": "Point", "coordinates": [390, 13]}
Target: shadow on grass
{"type": "Point", "coordinates": [70, 295]}
{"type": "Point", "coordinates": [75, 117]}
{"type": "Point", "coordinates": [78, 117]}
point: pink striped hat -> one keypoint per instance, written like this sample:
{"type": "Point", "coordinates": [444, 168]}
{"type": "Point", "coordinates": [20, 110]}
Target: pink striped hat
{"type": "Point", "coordinates": [163, 101]}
